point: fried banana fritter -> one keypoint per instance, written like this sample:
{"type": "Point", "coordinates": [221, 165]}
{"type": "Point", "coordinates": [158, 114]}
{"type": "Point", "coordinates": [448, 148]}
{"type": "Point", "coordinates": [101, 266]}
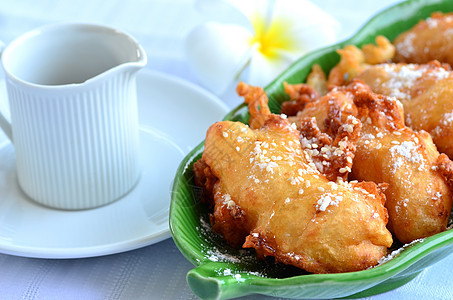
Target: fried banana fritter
{"type": "Point", "coordinates": [425, 92]}
{"type": "Point", "coordinates": [269, 195]}
{"type": "Point", "coordinates": [430, 39]}
{"type": "Point", "coordinates": [419, 198]}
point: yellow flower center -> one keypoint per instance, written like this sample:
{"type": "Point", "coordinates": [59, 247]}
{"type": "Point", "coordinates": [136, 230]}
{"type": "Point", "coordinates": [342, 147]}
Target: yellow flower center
{"type": "Point", "coordinates": [272, 38]}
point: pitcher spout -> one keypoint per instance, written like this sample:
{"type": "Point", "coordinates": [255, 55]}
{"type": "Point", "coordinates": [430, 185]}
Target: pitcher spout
{"type": "Point", "coordinates": [136, 63]}
{"type": "Point", "coordinates": [122, 53]}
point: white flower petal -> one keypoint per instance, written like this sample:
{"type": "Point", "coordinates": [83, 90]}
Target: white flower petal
{"type": "Point", "coordinates": [302, 13]}
{"type": "Point", "coordinates": [253, 8]}
{"type": "Point", "coordinates": [238, 12]}
{"type": "Point", "coordinates": [283, 30]}
{"type": "Point", "coordinates": [296, 28]}
{"type": "Point", "coordinates": [300, 20]}
{"type": "Point", "coordinates": [316, 37]}
{"type": "Point", "coordinates": [263, 70]}
{"type": "Point", "coordinates": [305, 25]}
{"type": "Point", "coordinates": [217, 53]}
{"type": "Point", "coordinates": [224, 12]}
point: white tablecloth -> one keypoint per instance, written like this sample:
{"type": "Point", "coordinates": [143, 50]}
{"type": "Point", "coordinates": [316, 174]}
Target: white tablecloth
{"type": "Point", "coordinates": [157, 271]}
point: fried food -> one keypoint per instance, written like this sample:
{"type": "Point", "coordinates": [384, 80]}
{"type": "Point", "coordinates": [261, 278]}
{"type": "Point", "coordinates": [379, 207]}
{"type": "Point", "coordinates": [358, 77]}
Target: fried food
{"type": "Point", "coordinates": [430, 39]}
{"type": "Point", "coordinates": [269, 195]}
{"type": "Point", "coordinates": [419, 198]}
{"type": "Point", "coordinates": [257, 101]}
{"type": "Point", "coordinates": [354, 60]}
{"type": "Point", "coordinates": [335, 155]}
{"type": "Point", "coordinates": [301, 95]}
{"type": "Point", "coordinates": [382, 52]}
{"type": "Point", "coordinates": [281, 185]}
{"type": "Point", "coordinates": [336, 104]}
{"type": "Point", "coordinates": [317, 79]}
{"type": "Point", "coordinates": [425, 92]}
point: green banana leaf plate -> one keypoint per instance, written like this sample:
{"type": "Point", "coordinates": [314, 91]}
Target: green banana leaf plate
{"type": "Point", "coordinates": [222, 272]}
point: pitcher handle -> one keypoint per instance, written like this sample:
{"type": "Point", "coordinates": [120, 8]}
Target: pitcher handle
{"type": "Point", "coordinates": [5, 125]}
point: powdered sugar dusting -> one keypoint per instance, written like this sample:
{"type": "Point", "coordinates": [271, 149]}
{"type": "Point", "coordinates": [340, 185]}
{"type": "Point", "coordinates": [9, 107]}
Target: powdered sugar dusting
{"type": "Point", "coordinates": [409, 151]}
{"type": "Point", "coordinates": [432, 22]}
{"type": "Point", "coordinates": [440, 73]}
{"type": "Point", "coordinates": [214, 254]}
{"type": "Point", "coordinates": [237, 276]}
{"type": "Point", "coordinates": [240, 262]}
{"type": "Point", "coordinates": [328, 199]}
{"type": "Point", "coordinates": [406, 47]}
{"type": "Point", "coordinates": [396, 252]}
{"type": "Point", "coordinates": [447, 118]}
{"type": "Point", "coordinates": [445, 122]}
{"type": "Point", "coordinates": [402, 78]}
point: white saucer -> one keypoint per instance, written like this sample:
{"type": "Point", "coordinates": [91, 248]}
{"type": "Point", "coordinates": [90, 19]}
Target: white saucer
{"type": "Point", "coordinates": [174, 116]}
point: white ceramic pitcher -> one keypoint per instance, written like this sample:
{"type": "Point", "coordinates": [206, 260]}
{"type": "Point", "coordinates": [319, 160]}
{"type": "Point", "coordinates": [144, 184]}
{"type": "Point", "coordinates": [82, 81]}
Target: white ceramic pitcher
{"type": "Point", "coordinates": [74, 124]}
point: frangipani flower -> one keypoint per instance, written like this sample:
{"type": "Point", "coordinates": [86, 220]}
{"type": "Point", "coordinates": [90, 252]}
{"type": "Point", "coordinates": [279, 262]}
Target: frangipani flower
{"type": "Point", "coordinates": [255, 40]}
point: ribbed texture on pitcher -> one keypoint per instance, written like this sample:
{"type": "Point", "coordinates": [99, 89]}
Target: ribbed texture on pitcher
{"type": "Point", "coordinates": [81, 150]}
